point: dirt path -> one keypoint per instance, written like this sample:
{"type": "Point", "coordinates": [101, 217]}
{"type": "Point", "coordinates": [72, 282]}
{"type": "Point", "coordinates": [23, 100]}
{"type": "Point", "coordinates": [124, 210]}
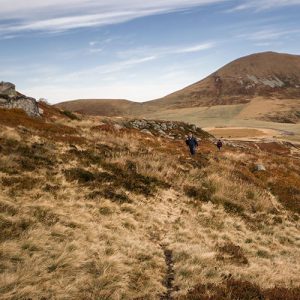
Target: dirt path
{"type": "Point", "coordinates": [170, 275]}
{"type": "Point", "coordinates": [166, 210]}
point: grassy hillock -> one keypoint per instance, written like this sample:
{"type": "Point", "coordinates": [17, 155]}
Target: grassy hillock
{"type": "Point", "coordinates": [95, 208]}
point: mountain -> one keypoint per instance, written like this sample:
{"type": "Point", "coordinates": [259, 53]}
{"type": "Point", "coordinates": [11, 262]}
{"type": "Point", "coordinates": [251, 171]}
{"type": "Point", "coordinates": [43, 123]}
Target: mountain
{"type": "Point", "coordinates": [260, 90]}
{"type": "Point", "coordinates": [267, 74]}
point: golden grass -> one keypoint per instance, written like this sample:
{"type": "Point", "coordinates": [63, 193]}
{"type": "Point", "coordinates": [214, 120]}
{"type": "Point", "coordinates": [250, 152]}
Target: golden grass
{"type": "Point", "coordinates": [90, 220]}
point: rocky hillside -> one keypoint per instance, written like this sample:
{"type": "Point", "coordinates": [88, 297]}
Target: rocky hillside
{"type": "Point", "coordinates": [267, 74]}
{"type": "Point", "coordinates": [115, 208]}
{"type": "Point", "coordinates": [10, 98]}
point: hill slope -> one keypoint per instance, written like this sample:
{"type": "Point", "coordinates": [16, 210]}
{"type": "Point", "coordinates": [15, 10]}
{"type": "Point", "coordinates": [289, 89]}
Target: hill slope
{"type": "Point", "coordinates": [87, 216]}
{"type": "Point", "coordinates": [101, 107]}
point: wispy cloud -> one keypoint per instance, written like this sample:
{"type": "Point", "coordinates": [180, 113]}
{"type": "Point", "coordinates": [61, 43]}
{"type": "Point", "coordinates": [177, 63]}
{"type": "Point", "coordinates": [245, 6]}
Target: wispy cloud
{"type": "Point", "coordinates": [264, 4]}
{"type": "Point", "coordinates": [268, 34]}
{"type": "Point", "coordinates": [163, 51]}
{"type": "Point", "coordinates": [100, 70]}
{"type": "Point", "coordinates": [195, 48]}
{"type": "Point", "coordinates": [55, 15]}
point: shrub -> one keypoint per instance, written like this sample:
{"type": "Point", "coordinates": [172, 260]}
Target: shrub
{"type": "Point", "coordinates": [231, 207]}
{"type": "Point", "coordinates": [115, 197]}
{"type": "Point", "coordinates": [80, 175]}
{"type": "Point", "coordinates": [45, 216]}
{"type": "Point", "coordinates": [278, 293]}
{"type": "Point", "coordinates": [128, 178]}
{"type": "Point", "coordinates": [19, 183]}
{"type": "Point", "coordinates": [263, 253]}
{"type": "Point", "coordinates": [70, 115]}
{"type": "Point", "coordinates": [203, 193]}
{"type": "Point", "coordinates": [234, 252]}
{"type": "Point", "coordinates": [88, 157]}
{"type": "Point", "coordinates": [288, 193]}
{"type": "Point", "coordinates": [105, 210]}
{"type": "Point", "coordinates": [238, 289]}
{"type": "Point", "coordinates": [11, 228]}
{"type": "Point", "coordinates": [8, 207]}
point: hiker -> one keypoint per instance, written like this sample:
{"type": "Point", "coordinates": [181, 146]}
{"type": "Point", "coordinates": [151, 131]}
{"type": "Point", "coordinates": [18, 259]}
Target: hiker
{"type": "Point", "coordinates": [219, 145]}
{"type": "Point", "coordinates": [192, 143]}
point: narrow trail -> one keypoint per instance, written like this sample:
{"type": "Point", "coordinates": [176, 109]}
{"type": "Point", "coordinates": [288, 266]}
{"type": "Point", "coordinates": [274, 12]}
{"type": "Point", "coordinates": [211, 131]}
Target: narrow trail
{"type": "Point", "coordinates": [167, 211]}
{"type": "Point", "coordinates": [170, 274]}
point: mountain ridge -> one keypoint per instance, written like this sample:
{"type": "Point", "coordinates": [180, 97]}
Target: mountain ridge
{"type": "Point", "coordinates": [268, 74]}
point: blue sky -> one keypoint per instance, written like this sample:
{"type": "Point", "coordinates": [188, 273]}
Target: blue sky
{"type": "Point", "coordinates": [133, 49]}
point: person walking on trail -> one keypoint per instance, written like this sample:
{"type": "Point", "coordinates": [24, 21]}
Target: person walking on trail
{"type": "Point", "coordinates": [219, 145]}
{"type": "Point", "coordinates": [192, 143]}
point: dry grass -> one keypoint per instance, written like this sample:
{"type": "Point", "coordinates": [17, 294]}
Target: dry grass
{"type": "Point", "coordinates": [90, 220]}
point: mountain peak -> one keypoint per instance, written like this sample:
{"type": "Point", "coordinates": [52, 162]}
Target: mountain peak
{"type": "Point", "coordinates": [261, 74]}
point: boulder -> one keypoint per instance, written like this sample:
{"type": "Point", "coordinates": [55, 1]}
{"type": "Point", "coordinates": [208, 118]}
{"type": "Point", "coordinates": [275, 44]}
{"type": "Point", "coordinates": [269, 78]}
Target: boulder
{"type": "Point", "coordinates": [10, 98]}
{"type": "Point", "coordinates": [7, 89]}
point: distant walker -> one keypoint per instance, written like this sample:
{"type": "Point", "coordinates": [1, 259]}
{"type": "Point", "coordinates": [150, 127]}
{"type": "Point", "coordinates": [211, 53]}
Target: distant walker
{"type": "Point", "coordinates": [192, 143]}
{"type": "Point", "coordinates": [219, 145]}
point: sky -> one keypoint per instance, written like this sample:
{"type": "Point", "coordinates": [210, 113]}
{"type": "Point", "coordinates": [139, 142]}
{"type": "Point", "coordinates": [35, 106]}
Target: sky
{"type": "Point", "coordinates": [134, 49]}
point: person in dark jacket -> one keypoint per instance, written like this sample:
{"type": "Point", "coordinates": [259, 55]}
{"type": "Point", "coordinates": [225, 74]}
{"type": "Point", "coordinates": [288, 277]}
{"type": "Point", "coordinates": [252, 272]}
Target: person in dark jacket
{"type": "Point", "coordinates": [192, 143]}
{"type": "Point", "coordinates": [219, 145]}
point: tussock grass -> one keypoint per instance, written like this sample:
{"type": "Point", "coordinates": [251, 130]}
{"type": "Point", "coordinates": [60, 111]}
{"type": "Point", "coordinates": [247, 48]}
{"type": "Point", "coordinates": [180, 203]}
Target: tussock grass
{"type": "Point", "coordinates": [89, 219]}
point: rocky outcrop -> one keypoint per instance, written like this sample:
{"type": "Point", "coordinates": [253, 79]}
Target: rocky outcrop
{"type": "Point", "coordinates": [168, 129]}
{"type": "Point", "coordinates": [10, 98]}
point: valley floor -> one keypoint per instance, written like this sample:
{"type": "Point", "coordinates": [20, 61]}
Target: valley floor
{"type": "Point", "coordinates": [262, 114]}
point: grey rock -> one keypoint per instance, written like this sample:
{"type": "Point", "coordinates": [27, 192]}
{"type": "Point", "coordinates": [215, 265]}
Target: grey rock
{"type": "Point", "coordinates": [10, 98]}
{"type": "Point", "coordinates": [163, 126]}
{"type": "Point", "coordinates": [41, 111]}
{"type": "Point", "coordinates": [146, 131]}
{"type": "Point", "coordinates": [260, 167]}
{"type": "Point", "coordinates": [156, 127]}
{"type": "Point", "coordinates": [8, 89]}
{"type": "Point", "coordinates": [161, 132]}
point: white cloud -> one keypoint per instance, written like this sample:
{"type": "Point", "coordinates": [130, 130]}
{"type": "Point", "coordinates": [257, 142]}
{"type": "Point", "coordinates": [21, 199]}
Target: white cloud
{"type": "Point", "coordinates": [195, 48]}
{"type": "Point", "coordinates": [264, 4]}
{"type": "Point", "coordinates": [268, 34]}
{"type": "Point", "coordinates": [56, 15]}
{"type": "Point", "coordinates": [163, 51]}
